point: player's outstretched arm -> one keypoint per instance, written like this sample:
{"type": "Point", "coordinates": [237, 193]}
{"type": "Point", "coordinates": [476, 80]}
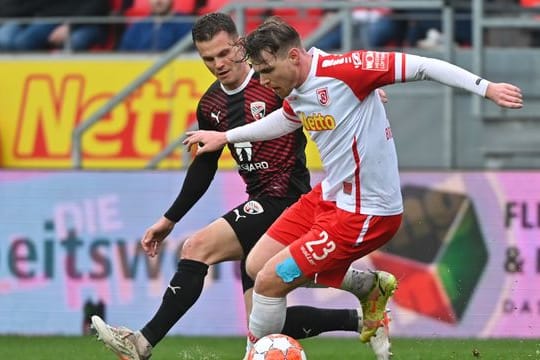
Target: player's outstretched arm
{"type": "Point", "coordinates": [270, 127]}
{"type": "Point", "coordinates": [505, 95]}
{"type": "Point", "coordinates": [423, 68]}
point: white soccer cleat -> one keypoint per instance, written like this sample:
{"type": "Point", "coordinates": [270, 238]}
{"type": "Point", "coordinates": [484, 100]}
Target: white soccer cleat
{"type": "Point", "coordinates": [126, 344]}
{"type": "Point", "coordinates": [380, 342]}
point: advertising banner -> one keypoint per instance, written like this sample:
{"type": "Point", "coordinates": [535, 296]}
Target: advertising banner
{"type": "Point", "coordinates": [44, 99]}
{"type": "Point", "coordinates": [467, 255]}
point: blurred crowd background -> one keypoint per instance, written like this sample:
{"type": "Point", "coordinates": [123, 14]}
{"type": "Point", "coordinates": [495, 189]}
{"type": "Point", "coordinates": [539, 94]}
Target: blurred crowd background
{"type": "Point", "coordinates": [156, 25]}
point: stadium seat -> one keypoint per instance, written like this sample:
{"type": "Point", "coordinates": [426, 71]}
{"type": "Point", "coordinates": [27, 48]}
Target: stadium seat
{"type": "Point", "coordinates": [305, 21]}
{"type": "Point", "coordinates": [117, 7]}
{"type": "Point", "coordinates": [530, 3]}
{"type": "Point", "coordinates": [254, 17]}
{"type": "Point", "coordinates": [142, 7]}
{"type": "Point", "coordinates": [110, 42]}
{"type": "Point", "coordinates": [185, 6]}
{"type": "Point", "coordinates": [212, 6]}
{"type": "Point", "coordinates": [138, 8]}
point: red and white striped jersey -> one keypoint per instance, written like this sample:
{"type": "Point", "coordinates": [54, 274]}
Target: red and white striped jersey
{"type": "Point", "coordinates": [339, 107]}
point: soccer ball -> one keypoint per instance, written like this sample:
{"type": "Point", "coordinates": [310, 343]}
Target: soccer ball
{"type": "Point", "coordinates": [277, 347]}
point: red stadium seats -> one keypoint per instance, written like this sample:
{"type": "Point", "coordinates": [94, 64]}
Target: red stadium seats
{"type": "Point", "coordinates": [212, 6]}
{"type": "Point", "coordinates": [139, 8]}
{"type": "Point", "coordinates": [254, 17]}
{"type": "Point", "coordinates": [119, 6]}
{"type": "Point", "coordinates": [530, 3]}
{"type": "Point", "coordinates": [142, 7]}
{"type": "Point", "coordinates": [185, 6]}
{"type": "Point", "coordinates": [305, 21]}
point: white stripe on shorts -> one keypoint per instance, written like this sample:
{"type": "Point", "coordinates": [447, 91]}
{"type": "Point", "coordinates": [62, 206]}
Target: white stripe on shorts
{"type": "Point", "coordinates": [365, 228]}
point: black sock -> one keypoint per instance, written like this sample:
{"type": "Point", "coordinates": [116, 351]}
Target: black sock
{"type": "Point", "coordinates": [306, 321]}
{"type": "Point", "coordinates": [183, 291]}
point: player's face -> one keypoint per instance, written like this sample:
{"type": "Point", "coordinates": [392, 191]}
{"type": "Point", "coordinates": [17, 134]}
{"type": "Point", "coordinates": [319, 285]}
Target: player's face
{"type": "Point", "coordinates": [222, 58]}
{"type": "Point", "coordinates": [278, 73]}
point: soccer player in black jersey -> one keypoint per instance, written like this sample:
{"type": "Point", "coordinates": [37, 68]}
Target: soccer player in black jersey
{"type": "Point", "coordinates": [275, 175]}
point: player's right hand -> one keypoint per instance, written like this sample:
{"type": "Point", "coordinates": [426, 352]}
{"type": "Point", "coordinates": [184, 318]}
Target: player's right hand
{"type": "Point", "coordinates": [206, 140]}
{"type": "Point", "coordinates": [155, 235]}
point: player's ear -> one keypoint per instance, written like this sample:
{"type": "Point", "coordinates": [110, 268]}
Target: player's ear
{"type": "Point", "coordinates": [294, 56]}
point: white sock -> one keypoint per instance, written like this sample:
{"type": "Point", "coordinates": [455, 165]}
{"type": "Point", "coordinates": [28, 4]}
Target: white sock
{"type": "Point", "coordinates": [358, 282]}
{"type": "Point", "coordinates": [267, 316]}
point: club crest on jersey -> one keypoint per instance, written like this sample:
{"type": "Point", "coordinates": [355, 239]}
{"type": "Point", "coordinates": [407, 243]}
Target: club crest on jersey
{"type": "Point", "coordinates": [253, 208]}
{"type": "Point", "coordinates": [258, 109]}
{"type": "Point", "coordinates": [322, 96]}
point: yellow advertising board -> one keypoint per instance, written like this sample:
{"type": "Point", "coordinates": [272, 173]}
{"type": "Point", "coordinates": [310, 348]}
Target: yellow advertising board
{"type": "Point", "coordinates": [44, 99]}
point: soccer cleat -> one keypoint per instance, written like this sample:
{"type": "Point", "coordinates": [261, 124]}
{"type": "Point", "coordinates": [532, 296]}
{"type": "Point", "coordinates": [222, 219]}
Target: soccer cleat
{"type": "Point", "coordinates": [380, 342]}
{"type": "Point", "coordinates": [126, 344]}
{"type": "Point", "coordinates": [374, 304]}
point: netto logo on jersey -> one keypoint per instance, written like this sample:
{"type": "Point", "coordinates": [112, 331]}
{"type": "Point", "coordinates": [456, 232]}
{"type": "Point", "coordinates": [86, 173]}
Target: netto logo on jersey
{"type": "Point", "coordinates": [317, 122]}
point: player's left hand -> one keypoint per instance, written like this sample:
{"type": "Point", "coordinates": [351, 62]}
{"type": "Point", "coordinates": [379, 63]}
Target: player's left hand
{"type": "Point", "coordinates": [155, 236]}
{"type": "Point", "coordinates": [206, 140]}
{"type": "Point", "coordinates": [505, 95]}
{"type": "Point", "coordinates": [383, 95]}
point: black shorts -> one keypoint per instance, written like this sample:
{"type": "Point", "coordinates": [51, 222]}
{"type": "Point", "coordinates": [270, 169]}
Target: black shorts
{"type": "Point", "coordinates": [250, 220]}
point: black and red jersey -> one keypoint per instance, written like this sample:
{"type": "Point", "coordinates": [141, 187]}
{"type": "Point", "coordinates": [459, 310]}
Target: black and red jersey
{"type": "Point", "coordinates": [269, 168]}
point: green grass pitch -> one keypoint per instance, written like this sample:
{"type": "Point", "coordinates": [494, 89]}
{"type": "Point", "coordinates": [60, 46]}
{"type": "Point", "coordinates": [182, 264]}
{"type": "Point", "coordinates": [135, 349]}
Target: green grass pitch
{"type": "Point", "coordinates": [320, 348]}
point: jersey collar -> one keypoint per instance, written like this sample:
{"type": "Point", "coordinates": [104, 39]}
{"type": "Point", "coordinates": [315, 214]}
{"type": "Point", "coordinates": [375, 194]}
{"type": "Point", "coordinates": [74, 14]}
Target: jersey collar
{"type": "Point", "coordinates": [314, 52]}
{"type": "Point", "coordinates": [241, 87]}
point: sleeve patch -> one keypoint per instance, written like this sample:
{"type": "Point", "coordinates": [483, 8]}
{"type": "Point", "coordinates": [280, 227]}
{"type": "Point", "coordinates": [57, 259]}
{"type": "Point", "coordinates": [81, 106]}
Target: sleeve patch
{"type": "Point", "coordinates": [375, 61]}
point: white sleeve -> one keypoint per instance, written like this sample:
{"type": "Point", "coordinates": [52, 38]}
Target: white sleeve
{"type": "Point", "coordinates": [270, 127]}
{"type": "Point", "coordinates": [423, 68]}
